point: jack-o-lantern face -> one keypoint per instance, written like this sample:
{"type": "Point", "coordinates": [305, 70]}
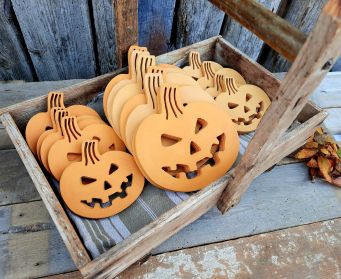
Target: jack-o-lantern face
{"type": "Point", "coordinates": [184, 148]}
{"type": "Point", "coordinates": [68, 150]}
{"type": "Point", "coordinates": [246, 105]}
{"type": "Point", "coordinates": [101, 185]}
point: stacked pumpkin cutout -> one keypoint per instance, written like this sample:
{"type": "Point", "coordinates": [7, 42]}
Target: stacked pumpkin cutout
{"type": "Point", "coordinates": [179, 126]}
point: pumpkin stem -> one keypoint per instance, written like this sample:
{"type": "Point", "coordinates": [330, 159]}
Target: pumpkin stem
{"type": "Point", "coordinates": [230, 86]}
{"type": "Point", "coordinates": [130, 51]}
{"type": "Point", "coordinates": [55, 99]}
{"type": "Point", "coordinates": [152, 83]}
{"type": "Point", "coordinates": [194, 60]}
{"type": "Point", "coordinates": [56, 116]}
{"type": "Point", "coordinates": [90, 153]}
{"type": "Point", "coordinates": [169, 102]}
{"type": "Point", "coordinates": [70, 129]}
{"type": "Point", "coordinates": [143, 62]}
{"type": "Point", "coordinates": [207, 69]}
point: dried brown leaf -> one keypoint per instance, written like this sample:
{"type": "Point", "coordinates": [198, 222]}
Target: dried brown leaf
{"type": "Point", "coordinates": [325, 167]}
{"type": "Point", "coordinates": [324, 151]}
{"type": "Point", "coordinates": [337, 181]}
{"type": "Point", "coordinates": [312, 163]}
{"type": "Point", "coordinates": [305, 153]}
{"type": "Point", "coordinates": [311, 144]}
{"type": "Point", "coordinates": [313, 174]}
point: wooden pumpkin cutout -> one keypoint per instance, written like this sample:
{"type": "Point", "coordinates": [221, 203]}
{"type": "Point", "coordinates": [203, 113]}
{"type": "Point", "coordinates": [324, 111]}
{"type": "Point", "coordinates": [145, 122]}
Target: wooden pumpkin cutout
{"type": "Point", "coordinates": [143, 62]}
{"type": "Point", "coordinates": [209, 68]}
{"type": "Point", "coordinates": [51, 138]}
{"type": "Point", "coordinates": [120, 77]}
{"type": "Point", "coordinates": [194, 68]}
{"type": "Point", "coordinates": [133, 76]}
{"type": "Point", "coordinates": [171, 145]}
{"type": "Point", "coordinates": [101, 185]}
{"type": "Point", "coordinates": [41, 122]}
{"type": "Point", "coordinates": [219, 81]}
{"type": "Point", "coordinates": [53, 115]}
{"type": "Point", "coordinates": [165, 68]}
{"type": "Point", "coordinates": [246, 107]}
{"type": "Point", "coordinates": [68, 150]}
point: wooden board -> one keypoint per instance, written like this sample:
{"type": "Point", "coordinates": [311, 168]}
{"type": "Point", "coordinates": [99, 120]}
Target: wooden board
{"type": "Point", "coordinates": [58, 37]}
{"type": "Point", "coordinates": [30, 246]}
{"type": "Point", "coordinates": [155, 24]}
{"type": "Point", "coordinates": [15, 184]}
{"type": "Point", "coordinates": [14, 59]}
{"type": "Point", "coordinates": [310, 251]}
{"type": "Point", "coordinates": [303, 15]}
{"type": "Point", "coordinates": [242, 38]}
{"type": "Point", "coordinates": [265, 207]}
{"type": "Point", "coordinates": [104, 23]}
{"type": "Point", "coordinates": [196, 20]}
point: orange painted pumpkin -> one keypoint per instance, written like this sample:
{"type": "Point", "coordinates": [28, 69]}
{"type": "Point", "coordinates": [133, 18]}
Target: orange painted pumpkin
{"type": "Point", "coordinates": [101, 185]}
{"type": "Point", "coordinates": [185, 148]}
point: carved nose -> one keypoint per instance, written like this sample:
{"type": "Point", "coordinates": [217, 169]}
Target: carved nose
{"type": "Point", "coordinates": [107, 186]}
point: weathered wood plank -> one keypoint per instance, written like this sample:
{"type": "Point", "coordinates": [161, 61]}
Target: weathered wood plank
{"type": "Point", "coordinates": [196, 20]}
{"type": "Point", "coordinates": [243, 39]}
{"type": "Point", "coordinates": [314, 60]}
{"type": "Point", "coordinates": [312, 251]}
{"type": "Point", "coordinates": [155, 19]}
{"type": "Point", "coordinates": [333, 122]}
{"type": "Point", "coordinates": [68, 275]}
{"type": "Point", "coordinates": [277, 199]}
{"type": "Point", "coordinates": [5, 141]}
{"type": "Point", "coordinates": [303, 15]}
{"type": "Point", "coordinates": [271, 28]}
{"type": "Point", "coordinates": [49, 31]}
{"type": "Point", "coordinates": [104, 22]}
{"type": "Point", "coordinates": [15, 184]}
{"type": "Point", "coordinates": [12, 92]}
{"type": "Point", "coordinates": [14, 59]}
{"type": "Point", "coordinates": [30, 245]}
{"type": "Point", "coordinates": [126, 28]}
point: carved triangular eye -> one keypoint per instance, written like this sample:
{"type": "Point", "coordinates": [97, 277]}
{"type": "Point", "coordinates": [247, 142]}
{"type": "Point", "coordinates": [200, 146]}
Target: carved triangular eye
{"type": "Point", "coordinates": [248, 97]}
{"type": "Point", "coordinates": [168, 140]}
{"type": "Point", "coordinates": [113, 168]}
{"type": "Point", "coordinates": [87, 180]}
{"type": "Point", "coordinates": [232, 105]}
{"type": "Point", "coordinates": [201, 124]}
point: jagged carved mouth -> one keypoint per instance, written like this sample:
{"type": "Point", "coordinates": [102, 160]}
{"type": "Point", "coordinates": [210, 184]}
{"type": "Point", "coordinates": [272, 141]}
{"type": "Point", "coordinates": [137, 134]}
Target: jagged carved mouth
{"type": "Point", "coordinates": [96, 201]}
{"type": "Point", "coordinates": [182, 171]}
{"type": "Point", "coordinates": [257, 115]}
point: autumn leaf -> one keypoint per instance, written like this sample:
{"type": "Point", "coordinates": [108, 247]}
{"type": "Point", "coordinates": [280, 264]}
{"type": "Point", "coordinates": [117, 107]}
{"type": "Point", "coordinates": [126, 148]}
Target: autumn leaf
{"type": "Point", "coordinates": [312, 163]}
{"type": "Point", "coordinates": [325, 167]}
{"type": "Point", "coordinates": [313, 174]}
{"type": "Point", "coordinates": [324, 151]}
{"type": "Point", "coordinates": [339, 153]}
{"type": "Point", "coordinates": [337, 181]}
{"type": "Point", "coordinates": [305, 153]}
{"type": "Point", "coordinates": [312, 144]}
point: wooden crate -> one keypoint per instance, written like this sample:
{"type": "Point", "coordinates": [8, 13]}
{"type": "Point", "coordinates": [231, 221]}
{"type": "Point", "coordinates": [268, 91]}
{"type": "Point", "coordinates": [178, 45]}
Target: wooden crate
{"type": "Point", "coordinates": [270, 143]}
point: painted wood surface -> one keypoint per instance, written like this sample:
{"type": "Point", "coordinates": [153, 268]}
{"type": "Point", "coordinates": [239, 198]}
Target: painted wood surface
{"type": "Point", "coordinates": [14, 59]}
{"type": "Point", "coordinates": [244, 39]}
{"type": "Point", "coordinates": [196, 20]}
{"type": "Point", "coordinates": [155, 24]}
{"type": "Point", "coordinates": [303, 15]}
{"type": "Point", "coordinates": [58, 37]}
{"type": "Point", "coordinates": [310, 251]}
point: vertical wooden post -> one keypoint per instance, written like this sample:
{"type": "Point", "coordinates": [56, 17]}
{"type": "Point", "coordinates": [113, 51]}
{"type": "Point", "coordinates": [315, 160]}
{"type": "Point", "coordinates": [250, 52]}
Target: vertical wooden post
{"type": "Point", "coordinates": [313, 62]}
{"type": "Point", "coordinates": [126, 27]}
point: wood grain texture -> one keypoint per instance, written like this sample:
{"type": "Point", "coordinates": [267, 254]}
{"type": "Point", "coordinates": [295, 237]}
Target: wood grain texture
{"type": "Point", "coordinates": [58, 37]}
{"type": "Point", "coordinates": [155, 19]}
{"type": "Point", "coordinates": [126, 28]}
{"type": "Point", "coordinates": [14, 59]}
{"type": "Point", "coordinates": [76, 249]}
{"type": "Point", "coordinates": [15, 185]}
{"type": "Point", "coordinates": [104, 22]}
{"type": "Point", "coordinates": [314, 60]}
{"type": "Point", "coordinates": [68, 275]}
{"type": "Point", "coordinates": [30, 244]}
{"type": "Point", "coordinates": [242, 38]}
{"type": "Point", "coordinates": [196, 20]}
{"type": "Point", "coordinates": [313, 251]}
{"type": "Point", "coordinates": [271, 28]}
{"type": "Point", "coordinates": [303, 15]}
